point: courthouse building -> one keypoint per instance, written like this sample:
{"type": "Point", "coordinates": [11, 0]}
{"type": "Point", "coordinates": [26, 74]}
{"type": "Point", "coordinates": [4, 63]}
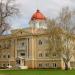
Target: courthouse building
{"type": "Point", "coordinates": [29, 46]}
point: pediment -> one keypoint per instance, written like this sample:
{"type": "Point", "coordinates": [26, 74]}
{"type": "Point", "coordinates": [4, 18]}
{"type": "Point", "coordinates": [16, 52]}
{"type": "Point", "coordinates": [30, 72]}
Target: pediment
{"type": "Point", "coordinates": [20, 32]}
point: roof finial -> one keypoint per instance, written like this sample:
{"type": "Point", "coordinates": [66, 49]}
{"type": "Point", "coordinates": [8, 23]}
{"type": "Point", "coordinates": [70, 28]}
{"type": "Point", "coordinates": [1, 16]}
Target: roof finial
{"type": "Point", "coordinates": [38, 10]}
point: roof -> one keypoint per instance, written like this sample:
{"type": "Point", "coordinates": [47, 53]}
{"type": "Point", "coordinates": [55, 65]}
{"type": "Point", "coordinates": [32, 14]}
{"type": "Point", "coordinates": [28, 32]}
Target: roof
{"type": "Point", "coordinates": [38, 16]}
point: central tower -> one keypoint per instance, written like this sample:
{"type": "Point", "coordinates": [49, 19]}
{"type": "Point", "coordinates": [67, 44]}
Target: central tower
{"type": "Point", "coordinates": [38, 20]}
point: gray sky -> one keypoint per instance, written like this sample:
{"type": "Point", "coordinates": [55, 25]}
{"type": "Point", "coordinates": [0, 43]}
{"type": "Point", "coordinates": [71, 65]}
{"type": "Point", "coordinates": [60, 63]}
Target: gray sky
{"type": "Point", "coordinates": [50, 8]}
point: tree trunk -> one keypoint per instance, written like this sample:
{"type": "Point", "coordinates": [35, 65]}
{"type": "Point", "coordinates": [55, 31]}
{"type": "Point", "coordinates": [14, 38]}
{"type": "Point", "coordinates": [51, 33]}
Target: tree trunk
{"type": "Point", "coordinates": [66, 66]}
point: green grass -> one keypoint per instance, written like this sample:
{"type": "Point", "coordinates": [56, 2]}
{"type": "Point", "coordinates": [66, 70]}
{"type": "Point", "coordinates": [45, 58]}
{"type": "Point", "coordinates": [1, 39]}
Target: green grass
{"type": "Point", "coordinates": [37, 72]}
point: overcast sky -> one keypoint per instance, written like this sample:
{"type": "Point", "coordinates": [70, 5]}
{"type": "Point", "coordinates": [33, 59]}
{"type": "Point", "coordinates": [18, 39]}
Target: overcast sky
{"type": "Point", "coordinates": [50, 8]}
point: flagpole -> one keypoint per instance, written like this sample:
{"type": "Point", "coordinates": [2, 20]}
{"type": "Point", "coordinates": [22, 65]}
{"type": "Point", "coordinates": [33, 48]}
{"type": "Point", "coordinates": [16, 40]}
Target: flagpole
{"type": "Point", "coordinates": [37, 4]}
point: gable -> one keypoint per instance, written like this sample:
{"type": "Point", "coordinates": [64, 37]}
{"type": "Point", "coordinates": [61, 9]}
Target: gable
{"type": "Point", "coordinates": [20, 32]}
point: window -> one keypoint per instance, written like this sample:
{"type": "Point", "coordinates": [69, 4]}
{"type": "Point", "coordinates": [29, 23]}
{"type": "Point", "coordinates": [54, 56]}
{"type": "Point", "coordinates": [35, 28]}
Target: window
{"type": "Point", "coordinates": [40, 55]}
{"type": "Point", "coordinates": [54, 65]}
{"type": "Point", "coordinates": [47, 64]}
{"type": "Point", "coordinates": [4, 65]}
{"type": "Point", "coordinates": [0, 56]}
{"type": "Point", "coordinates": [0, 46]}
{"type": "Point", "coordinates": [4, 56]}
{"type": "Point", "coordinates": [40, 65]}
{"type": "Point", "coordinates": [40, 42]}
{"type": "Point", "coordinates": [8, 56]}
{"type": "Point", "coordinates": [18, 61]}
{"type": "Point", "coordinates": [54, 54]}
{"type": "Point", "coordinates": [7, 44]}
{"type": "Point", "coordinates": [8, 64]}
{"type": "Point", "coordinates": [22, 43]}
{"type": "Point", "coordinates": [21, 32]}
{"type": "Point", "coordinates": [22, 54]}
{"type": "Point", "coordinates": [47, 54]}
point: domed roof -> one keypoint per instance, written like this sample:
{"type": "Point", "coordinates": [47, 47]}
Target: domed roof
{"type": "Point", "coordinates": [38, 16]}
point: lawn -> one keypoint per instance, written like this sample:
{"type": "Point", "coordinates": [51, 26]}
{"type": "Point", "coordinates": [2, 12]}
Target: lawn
{"type": "Point", "coordinates": [37, 72]}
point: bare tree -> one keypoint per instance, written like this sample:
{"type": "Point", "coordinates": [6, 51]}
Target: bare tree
{"type": "Point", "coordinates": [50, 27]}
{"type": "Point", "coordinates": [7, 9]}
{"type": "Point", "coordinates": [60, 37]}
{"type": "Point", "coordinates": [65, 21]}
